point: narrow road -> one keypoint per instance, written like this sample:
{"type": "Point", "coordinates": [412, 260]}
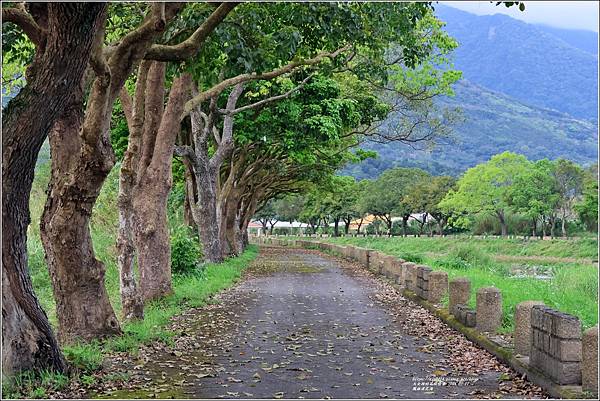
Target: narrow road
{"type": "Point", "coordinates": [304, 325]}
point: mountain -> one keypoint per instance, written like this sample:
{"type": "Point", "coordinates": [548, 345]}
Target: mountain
{"type": "Point", "coordinates": [581, 39]}
{"type": "Point", "coordinates": [541, 66]}
{"type": "Point", "coordinates": [530, 89]}
{"type": "Point", "coordinates": [493, 122]}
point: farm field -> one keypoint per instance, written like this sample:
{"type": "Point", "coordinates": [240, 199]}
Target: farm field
{"type": "Point", "coordinates": [562, 273]}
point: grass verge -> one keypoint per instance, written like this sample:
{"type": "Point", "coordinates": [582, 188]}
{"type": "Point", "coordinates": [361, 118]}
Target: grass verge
{"type": "Point", "coordinates": [573, 287]}
{"type": "Point", "coordinates": [189, 291]}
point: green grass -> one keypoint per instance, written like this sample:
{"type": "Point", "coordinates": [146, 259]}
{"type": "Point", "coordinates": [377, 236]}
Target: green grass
{"type": "Point", "coordinates": [573, 288]}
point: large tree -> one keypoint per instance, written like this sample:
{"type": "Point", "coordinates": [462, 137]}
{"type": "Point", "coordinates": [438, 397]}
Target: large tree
{"type": "Point", "coordinates": [424, 197]}
{"type": "Point", "coordinates": [568, 177]}
{"type": "Point", "coordinates": [406, 27]}
{"type": "Point", "coordinates": [65, 35]}
{"type": "Point", "coordinates": [82, 157]}
{"type": "Point", "coordinates": [534, 194]}
{"type": "Point", "coordinates": [587, 208]}
{"type": "Point", "coordinates": [485, 187]}
{"type": "Point", "coordinates": [385, 196]}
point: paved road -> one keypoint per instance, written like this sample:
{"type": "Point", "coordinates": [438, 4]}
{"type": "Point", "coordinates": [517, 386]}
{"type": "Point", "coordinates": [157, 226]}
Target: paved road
{"type": "Point", "coordinates": [304, 325]}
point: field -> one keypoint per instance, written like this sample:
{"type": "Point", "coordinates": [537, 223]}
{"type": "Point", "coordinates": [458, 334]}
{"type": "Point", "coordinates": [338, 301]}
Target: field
{"type": "Point", "coordinates": [562, 273]}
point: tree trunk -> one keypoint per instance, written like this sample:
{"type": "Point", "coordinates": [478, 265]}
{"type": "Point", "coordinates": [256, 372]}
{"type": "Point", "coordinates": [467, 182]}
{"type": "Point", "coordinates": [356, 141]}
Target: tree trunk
{"type": "Point", "coordinates": [562, 225]}
{"type": "Point", "coordinates": [27, 338]}
{"type": "Point", "coordinates": [191, 197]}
{"type": "Point", "coordinates": [543, 226]}
{"type": "Point", "coordinates": [336, 227]}
{"type": "Point", "coordinates": [131, 299]}
{"type": "Point", "coordinates": [552, 225]}
{"type": "Point", "coordinates": [347, 226]}
{"type": "Point", "coordinates": [404, 225]}
{"type": "Point", "coordinates": [503, 225]}
{"type": "Point", "coordinates": [83, 310]}
{"type": "Point", "coordinates": [209, 215]}
{"type": "Point", "coordinates": [533, 226]}
{"type": "Point", "coordinates": [151, 228]}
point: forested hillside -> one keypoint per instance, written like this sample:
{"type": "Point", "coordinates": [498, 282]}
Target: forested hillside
{"type": "Point", "coordinates": [524, 62]}
{"type": "Point", "coordinates": [527, 88]}
{"type": "Point", "coordinates": [492, 123]}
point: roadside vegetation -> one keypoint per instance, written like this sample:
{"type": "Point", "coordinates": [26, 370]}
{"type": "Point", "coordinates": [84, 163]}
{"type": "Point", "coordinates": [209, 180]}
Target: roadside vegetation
{"type": "Point", "coordinates": [571, 287]}
{"type": "Point", "coordinates": [194, 283]}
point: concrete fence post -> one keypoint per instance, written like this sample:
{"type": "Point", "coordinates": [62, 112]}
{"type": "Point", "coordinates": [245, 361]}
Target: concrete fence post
{"type": "Point", "coordinates": [460, 292]}
{"type": "Point", "coordinates": [410, 278]}
{"type": "Point", "coordinates": [438, 286]}
{"type": "Point", "coordinates": [423, 281]}
{"type": "Point", "coordinates": [589, 368]}
{"type": "Point", "coordinates": [522, 334]}
{"type": "Point", "coordinates": [397, 270]}
{"type": "Point", "coordinates": [489, 309]}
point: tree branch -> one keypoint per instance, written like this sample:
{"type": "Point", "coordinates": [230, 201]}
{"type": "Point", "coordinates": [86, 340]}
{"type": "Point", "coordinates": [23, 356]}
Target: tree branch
{"type": "Point", "coordinates": [266, 101]}
{"type": "Point", "coordinates": [220, 87]}
{"type": "Point", "coordinates": [25, 21]}
{"type": "Point", "coordinates": [191, 45]}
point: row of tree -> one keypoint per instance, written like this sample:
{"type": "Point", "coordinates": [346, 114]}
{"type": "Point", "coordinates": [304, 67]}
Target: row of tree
{"type": "Point", "coordinates": [255, 100]}
{"type": "Point", "coordinates": [544, 191]}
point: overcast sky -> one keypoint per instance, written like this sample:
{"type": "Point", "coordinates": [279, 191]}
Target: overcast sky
{"type": "Point", "coordinates": [562, 14]}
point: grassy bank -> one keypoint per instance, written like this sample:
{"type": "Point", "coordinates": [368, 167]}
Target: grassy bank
{"type": "Point", "coordinates": [190, 290]}
{"type": "Point", "coordinates": [573, 287]}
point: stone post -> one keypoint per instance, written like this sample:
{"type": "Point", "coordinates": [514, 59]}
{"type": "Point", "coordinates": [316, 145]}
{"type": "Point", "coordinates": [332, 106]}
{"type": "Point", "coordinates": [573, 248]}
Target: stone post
{"type": "Point", "coordinates": [376, 262]}
{"type": "Point", "coordinates": [410, 278]}
{"type": "Point", "coordinates": [489, 309]}
{"type": "Point", "coordinates": [397, 270]}
{"type": "Point", "coordinates": [589, 368]}
{"type": "Point", "coordinates": [460, 292]}
{"type": "Point", "coordinates": [522, 334]}
{"type": "Point", "coordinates": [423, 281]}
{"type": "Point", "coordinates": [438, 286]}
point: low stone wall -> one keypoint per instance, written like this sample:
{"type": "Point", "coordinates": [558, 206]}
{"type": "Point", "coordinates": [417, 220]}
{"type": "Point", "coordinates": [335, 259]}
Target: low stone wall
{"type": "Point", "coordinates": [556, 344]}
{"type": "Point", "coordinates": [465, 315]}
{"type": "Point", "coordinates": [561, 359]}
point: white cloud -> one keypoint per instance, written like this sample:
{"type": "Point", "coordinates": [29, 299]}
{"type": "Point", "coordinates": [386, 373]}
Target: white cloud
{"type": "Point", "coordinates": [562, 14]}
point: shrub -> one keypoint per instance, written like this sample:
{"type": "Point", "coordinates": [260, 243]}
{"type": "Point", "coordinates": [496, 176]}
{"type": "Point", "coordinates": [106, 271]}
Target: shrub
{"type": "Point", "coordinates": [412, 257]}
{"type": "Point", "coordinates": [471, 255]}
{"type": "Point", "coordinates": [185, 251]}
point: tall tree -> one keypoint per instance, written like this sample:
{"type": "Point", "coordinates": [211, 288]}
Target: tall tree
{"type": "Point", "coordinates": [485, 187]}
{"type": "Point", "coordinates": [82, 158]}
{"type": "Point", "coordinates": [64, 35]}
{"type": "Point", "coordinates": [587, 208]}
{"type": "Point", "coordinates": [534, 194]}
{"type": "Point", "coordinates": [569, 183]}
{"type": "Point", "coordinates": [425, 196]}
{"type": "Point", "coordinates": [385, 196]}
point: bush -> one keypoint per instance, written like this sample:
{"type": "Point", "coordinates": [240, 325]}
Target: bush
{"type": "Point", "coordinates": [185, 251]}
{"type": "Point", "coordinates": [412, 257]}
{"type": "Point", "coordinates": [464, 257]}
{"type": "Point", "coordinates": [471, 254]}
